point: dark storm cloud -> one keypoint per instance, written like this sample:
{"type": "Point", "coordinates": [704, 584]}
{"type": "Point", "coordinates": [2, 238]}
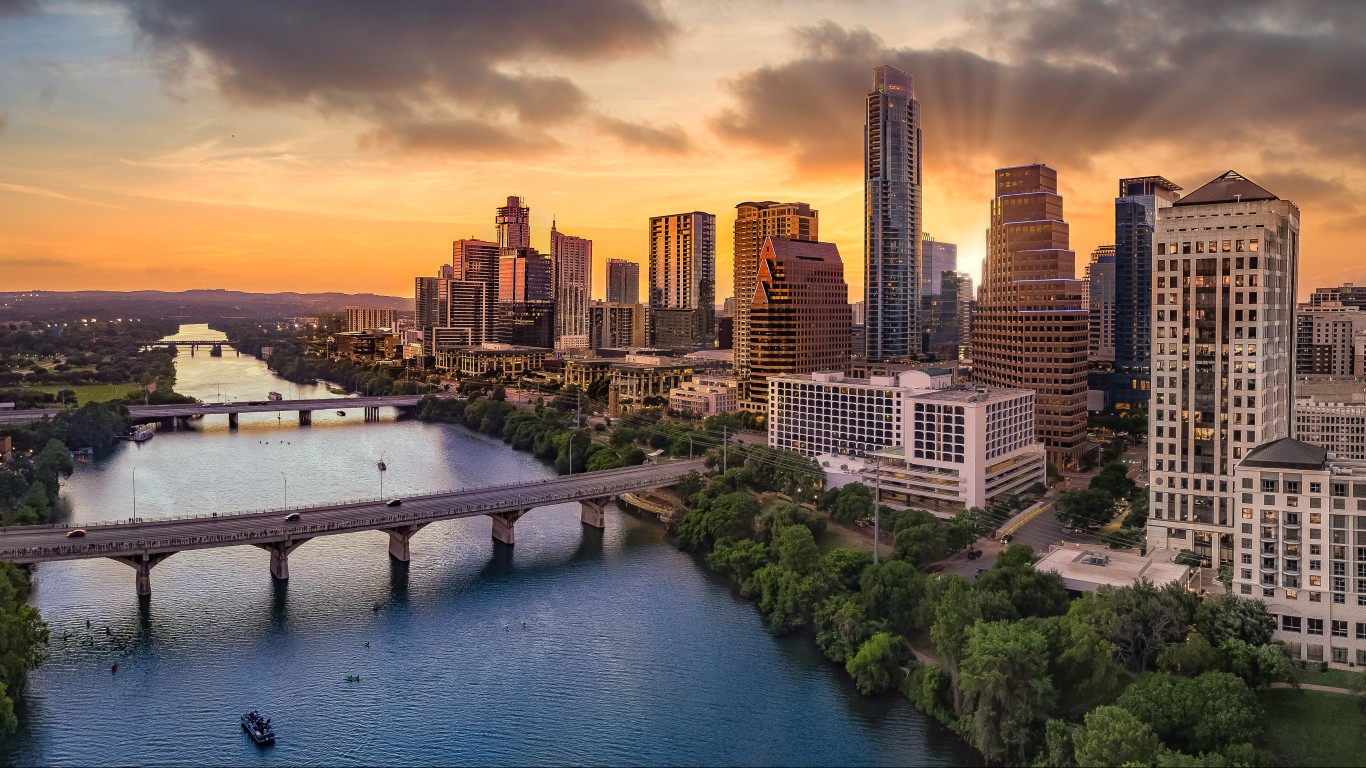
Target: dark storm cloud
{"type": "Point", "coordinates": [1067, 80]}
{"type": "Point", "coordinates": [667, 140]}
{"type": "Point", "coordinates": [387, 61]}
{"type": "Point", "coordinates": [453, 135]}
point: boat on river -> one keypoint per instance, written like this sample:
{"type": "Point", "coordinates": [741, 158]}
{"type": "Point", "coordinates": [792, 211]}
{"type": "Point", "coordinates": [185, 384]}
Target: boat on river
{"type": "Point", "coordinates": [274, 396]}
{"type": "Point", "coordinates": [140, 435]}
{"type": "Point", "coordinates": [258, 727]}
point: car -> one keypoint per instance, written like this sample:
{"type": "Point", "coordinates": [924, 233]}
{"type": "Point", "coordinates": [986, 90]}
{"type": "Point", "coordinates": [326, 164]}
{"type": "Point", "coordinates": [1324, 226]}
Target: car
{"type": "Point", "coordinates": [393, 502]}
{"type": "Point", "coordinates": [1006, 539]}
{"type": "Point", "coordinates": [936, 568]}
{"type": "Point", "coordinates": [980, 571]}
{"type": "Point", "coordinates": [292, 517]}
{"type": "Point", "coordinates": [75, 533]}
{"type": "Point", "coordinates": [973, 554]}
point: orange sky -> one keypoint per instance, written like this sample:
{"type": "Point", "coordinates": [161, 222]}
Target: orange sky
{"type": "Point", "coordinates": [182, 145]}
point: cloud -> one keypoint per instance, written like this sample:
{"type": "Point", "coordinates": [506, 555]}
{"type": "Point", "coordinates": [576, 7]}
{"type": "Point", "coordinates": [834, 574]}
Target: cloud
{"type": "Point", "coordinates": [403, 66]}
{"type": "Point", "coordinates": [1067, 81]}
{"type": "Point", "coordinates": [4, 121]}
{"type": "Point", "coordinates": [454, 135]}
{"type": "Point", "coordinates": [17, 7]}
{"type": "Point", "coordinates": [669, 139]}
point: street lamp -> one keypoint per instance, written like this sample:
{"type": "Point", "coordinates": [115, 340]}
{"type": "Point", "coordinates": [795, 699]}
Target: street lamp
{"type": "Point", "coordinates": [135, 493]}
{"type": "Point", "coordinates": [286, 479]}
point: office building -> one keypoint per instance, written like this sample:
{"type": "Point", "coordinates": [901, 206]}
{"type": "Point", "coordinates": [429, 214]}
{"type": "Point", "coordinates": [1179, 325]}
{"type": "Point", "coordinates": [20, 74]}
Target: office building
{"type": "Point", "coordinates": [892, 205]}
{"type": "Point", "coordinates": [961, 448]}
{"type": "Point", "coordinates": [1327, 337]}
{"type": "Point", "coordinates": [573, 270]}
{"type": "Point", "coordinates": [363, 319]}
{"type": "Point", "coordinates": [646, 380]}
{"type": "Point", "coordinates": [1030, 324]}
{"type": "Point", "coordinates": [705, 396]}
{"type": "Point", "coordinates": [616, 325]}
{"type": "Point", "coordinates": [508, 361]}
{"type": "Point", "coordinates": [948, 317]}
{"type": "Point", "coordinates": [526, 306]}
{"type": "Point", "coordinates": [623, 281]}
{"type": "Point", "coordinates": [1301, 524]}
{"type": "Point", "coordinates": [1100, 280]}
{"type": "Point", "coordinates": [754, 224]}
{"type": "Point", "coordinates": [430, 303]}
{"type": "Point", "coordinates": [830, 412]}
{"type": "Point", "coordinates": [476, 262]}
{"type": "Point", "coordinates": [798, 314]}
{"type": "Point", "coordinates": [1223, 337]}
{"type": "Point", "coordinates": [470, 320]}
{"type": "Point", "coordinates": [513, 223]}
{"type": "Point", "coordinates": [1347, 295]}
{"type": "Point", "coordinates": [1331, 411]}
{"type": "Point", "coordinates": [1136, 210]}
{"type": "Point", "coordinates": [683, 280]}
{"type": "Point", "coordinates": [936, 258]}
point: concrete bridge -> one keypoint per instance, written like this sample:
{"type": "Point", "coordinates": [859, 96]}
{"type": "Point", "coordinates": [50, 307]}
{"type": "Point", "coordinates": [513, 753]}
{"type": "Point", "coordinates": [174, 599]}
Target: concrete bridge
{"type": "Point", "coordinates": [181, 412]}
{"type": "Point", "coordinates": [193, 344]}
{"type": "Point", "coordinates": [143, 544]}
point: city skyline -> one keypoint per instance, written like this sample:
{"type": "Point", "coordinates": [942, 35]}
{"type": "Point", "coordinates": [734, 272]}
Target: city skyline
{"type": "Point", "coordinates": [134, 168]}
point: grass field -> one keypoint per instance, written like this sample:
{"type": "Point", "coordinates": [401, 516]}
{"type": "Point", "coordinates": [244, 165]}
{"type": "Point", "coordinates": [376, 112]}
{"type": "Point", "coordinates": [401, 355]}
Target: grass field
{"type": "Point", "coordinates": [89, 393]}
{"type": "Point", "coordinates": [1313, 728]}
{"type": "Point", "coordinates": [1338, 678]}
{"type": "Point", "coordinates": [837, 535]}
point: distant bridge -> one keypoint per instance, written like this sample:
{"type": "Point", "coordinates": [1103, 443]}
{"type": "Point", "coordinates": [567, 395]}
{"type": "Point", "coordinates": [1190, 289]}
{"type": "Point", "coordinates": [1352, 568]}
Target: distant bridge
{"type": "Point", "coordinates": [193, 344]}
{"type": "Point", "coordinates": [144, 543]}
{"type": "Point", "coordinates": [183, 411]}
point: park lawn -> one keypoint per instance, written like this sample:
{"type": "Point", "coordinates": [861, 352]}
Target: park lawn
{"type": "Point", "coordinates": [90, 393]}
{"type": "Point", "coordinates": [1313, 728]}
{"type": "Point", "coordinates": [839, 535]}
{"type": "Point", "coordinates": [1338, 678]}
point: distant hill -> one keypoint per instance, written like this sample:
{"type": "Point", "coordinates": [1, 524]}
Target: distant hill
{"type": "Point", "coordinates": [199, 306]}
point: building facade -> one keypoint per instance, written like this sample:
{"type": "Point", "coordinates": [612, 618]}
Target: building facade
{"type": "Point", "coordinates": [829, 412]}
{"type": "Point", "coordinates": [477, 261]}
{"type": "Point", "coordinates": [1030, 325]}
{"type": "Point", "coordinates": [683, 280]}
{"type": "Point", "coordinates": [798, 314]}
{"type": "Point", "coordinates": [623, 281]}
{"type": "Point", "coordinates": [1301, 548]}
{"type": "Point", "coordinates": [612, 325]}
{"type": "Point", "coordinates": [513, 222]}
{"type": "Point", "coordinates": [1223, 338]}
{"type": "Point", "coordinates": [572, 259]}
{"type": "Point", "coordinates": [1346, 295]}
{"type": "Point", "coordinates": [705, 396]}
{"type": "Point", "coordinates": [755, 223]}
{"type": "Point", "coordinates": [1327, 337]}
{"type": "Point", "coordinates": [936, 258]}
{"type": "Point", "coordinates": [1331, 411]}
{"type": "Point", "coordinates": [892, 205]}
{"type": "Point", "coordinates": [363, 319]}
{"type": "Point", "coordinates": [1100, 281]}
{"type": "Point", "coordinates": [1136, 210]}
{"type": "Point", "coordinates": [526, 305]}
{"type": "Point", "coordinates": [492, 360]}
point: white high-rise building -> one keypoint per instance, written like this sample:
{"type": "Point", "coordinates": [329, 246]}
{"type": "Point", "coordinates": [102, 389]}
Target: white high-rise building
{"type": "Point", "coordinates": [1224, 282]}
{"type": "Point", "coordinates": [573, 277]}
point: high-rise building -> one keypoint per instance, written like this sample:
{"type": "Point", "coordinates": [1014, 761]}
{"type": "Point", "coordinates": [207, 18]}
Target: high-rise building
{"type": "Point", "coordinates": [1224, 286]}
{"type": "Point", "coordinates": [1135, 216]}
{"type": "Point", "coordinates": [623, 281]}
{"type": "Point", "coordinates": [514, 224]}
{"type": "Point", "coordinates": [1030, 325]}
{"type": "Point", "coordinates": [573, 269]}
{"type": "Point", "coordinates": [754, 223]}
{"type": "Point", "coordinates": [1100, 279]}
{"type": "Point", "coordinates": [526, 300]}
{"type": "Point", "coordinates": [936, 258]}
{"type": "Point", "coordinates": [476, 261]}
{"type": "Point", "coordinates": [364, 319]}
{"type": "Point", "coordinates": [1331, 411]}
{"type": "Point", "coordinates": [1327, 337]}
{"type": "Point", "coordinates": [949, 317]}
{"type": "Point", "coordinates": [1347, 295]}
{"type": "Point", "coordinates": [798, 312]}
{"type": "Point", "coordinates": [683, 280]}
{"type": "Point", "coordinates": [429, 308]}
{"type": "Point", "coordinates": [615, 325]}
{"type": "Point", "coordinates": [891, 203]}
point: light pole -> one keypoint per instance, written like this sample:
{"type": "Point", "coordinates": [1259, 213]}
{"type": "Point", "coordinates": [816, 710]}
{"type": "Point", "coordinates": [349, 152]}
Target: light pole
{"type": "Point", "coordinates": [286, 479]}
{"type": "Point", "coordinates": [135, 493]}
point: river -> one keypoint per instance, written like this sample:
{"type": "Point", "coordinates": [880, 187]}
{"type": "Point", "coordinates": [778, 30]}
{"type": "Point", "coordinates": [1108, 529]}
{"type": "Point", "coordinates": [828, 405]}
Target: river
{"type": "Point", "coordinates": [579, 646]}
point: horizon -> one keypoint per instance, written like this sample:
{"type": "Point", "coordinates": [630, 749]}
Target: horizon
{"type": "Point", "coordinates": [177, 146]}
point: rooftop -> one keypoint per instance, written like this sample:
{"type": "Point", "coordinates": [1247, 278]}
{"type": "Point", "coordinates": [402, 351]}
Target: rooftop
{"type": "Point", "coordinates": [1231, 187]}
{"type": "Point", "coordinates": [972, 394]}
{"type": "Point", "coordinates": [1087, 568]}
{"type": "Point", "coordinates": [1287, 453]}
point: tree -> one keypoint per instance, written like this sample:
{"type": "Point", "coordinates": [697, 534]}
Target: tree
{"type": "Point", "coordinates": [796, 549]}
{"type": "Point", "coordinates": [1057, 750]}
{"type": "Point", "coordinates": [877, 663]}
{"type": "Point", "coordinates": [893, 590]}
{"type": "Point", "coordinates": [1207, 713]}
{"type": "Point", "coordinates": [604, 459]}
{"type": "Point", "coordinates": [1256, 665]}
{"type": "Point", "coordinates": [1232, 617]}
{"type": "Point", "coordinates": [846, 566]}
{"type": "Point", "coordinates": [1016, 556]}
{"type": "Point", "coordinates": [787, 598]}
{"type": "Point", "coordinates": [1113, 479]}
{"type": "Point", "coordinates": [842, 625]}
{"type": "Point", "coordinates": [1032, 592]}
{"type": "Point", "coordinates": [921, 544]}
{"type": "Point", "coordinates": [1193, 657]}
{"type": "Point", "coordinates": [1006, 689]}
{"type": "Point", "coordinates": [688, 486]}
{"type": "Point", "coordinates": [1140, 619]}
{"type": "Point", "coordinates": [730, 516]}
{"type": "Point", "coordinates": [740, 560]}
{"type": "Point", "coordinates": [783, 513]}
{"type": "Point", "coordinates": [1088, 507]}
{"type": "Point", "coordinates": [1113, 736]}
{"type": "Point", "coordinates": [853, 502]}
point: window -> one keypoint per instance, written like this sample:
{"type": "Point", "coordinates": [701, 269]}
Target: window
{"type": "Point", "coordinates": [1315, 627]}
{"type": "Point", "coordinates": [1339, 628]}
{"type": "Point", "coordinates": [1290, 624]}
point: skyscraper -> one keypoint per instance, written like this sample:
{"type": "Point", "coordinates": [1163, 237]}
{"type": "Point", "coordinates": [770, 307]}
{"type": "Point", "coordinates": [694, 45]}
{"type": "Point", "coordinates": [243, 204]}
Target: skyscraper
{"type": "Point", "coordinates": [938, 271]}
{"type": "Point", "coordinates": [514, 224]}
{"type": "Point", "coordinates": [936, 258]}
{"type": "Point", "coordinates": [682, 280]}
{"type": "Point", "coordinates": [623, 282]}
{"type": "Point", "coordinates": [1030, 326]}
{"type": "Point", "coordinates": [526, 304]}
{"type": "Point", "coordinates": [1223, 352]}
{"type": "Point", "coordinates": [428, 309]}
{"type": "Point", "coordinates": [1100, 277]}
{"type": "Point", "coordinates": [754, 223]}
{"type": "Point", "coordinates": [476, 262]}
{"type": "Point", "coordinates": [891, 202]}
{"type": "Point", "coordinates": [1135, 216]}
{"type": "Point", "coordinates": [798, 312]}
{"type": "Point", "coordinates": [573, 268]}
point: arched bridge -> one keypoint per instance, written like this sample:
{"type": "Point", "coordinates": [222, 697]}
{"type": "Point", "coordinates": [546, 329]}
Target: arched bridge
{"type": "Point", "coordinates": [144, 543]}
{"type": "Point", "coordinates": [146, 413]}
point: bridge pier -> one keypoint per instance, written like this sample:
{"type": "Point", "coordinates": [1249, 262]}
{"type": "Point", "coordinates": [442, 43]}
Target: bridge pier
{"type": "Point", "coordinates": [591, 512]}
{"type": "Point", "coordinates": [305, 418]}
{"type": "Point", "coordinates": [503, 523]}
{"type": "Point", "coordinates": [372, 413]}
{"type": "Point", "coordinates": [279, 557]}
{"type": "Point", "coordinates": [232, 421]}
{"type": "Point", "coordinates": [143, 565]}
{"type": "Point", "coordinates": [399, 539]}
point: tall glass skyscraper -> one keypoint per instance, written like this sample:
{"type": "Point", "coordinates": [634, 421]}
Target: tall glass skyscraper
{"type": "Point", "coordinates": [1135, 216]}
{"type": "Point", "coordinates": [891, 202]}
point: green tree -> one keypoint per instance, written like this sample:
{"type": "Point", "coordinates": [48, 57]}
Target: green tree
{"type": "Point", "coordinates": [1113, 736]}
{"type": "Point", "coordinates": [730, 516]}
{"type": "Point", "coordinates": [1032, 592]}
{"type": "Point", "coordinates": [1088, 507]}
{"type": "Point", "coordinates": [893, 590]}
{"type": "Point", "coordinates": [1015, 556]}
{"type": "Point", "coordinates": [877, 665]}
{"type": "Point", "coordinates": [1057, 750]}
{"type": "Point", "coordinates": [846, 566]}
{"type": "Point", "coordinates": [796, 549]}
{"type": "Point", "coordinates": [1006, 689]}
{"type": "Point", "coordinates": [1193, 657]}
{"type": "Point", "coordinates": [1207, 713]}
{"type": "Point", "coordinates": [788, 599]}
{"type": "Point", "coordinates": [853, 502]}
{"type": "Point", "coordinates": [1113, 479]}
{"type": "Point", "coordinates": [604, 459]}
{"type": "Point", "coordinates": [1229, 617]}
{"type": "Point", "coordinates": [842, 625]}
{"type": "Point", "coordinates": [739, 559]}
{"type": "Point", "coordinates": [1256, 665]}
{"type": "Point", "coordinates": [784, 513]}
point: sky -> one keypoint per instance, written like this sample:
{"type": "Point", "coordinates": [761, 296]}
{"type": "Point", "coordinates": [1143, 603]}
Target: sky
{"type": "Point", "coordinates": [340, 145]}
